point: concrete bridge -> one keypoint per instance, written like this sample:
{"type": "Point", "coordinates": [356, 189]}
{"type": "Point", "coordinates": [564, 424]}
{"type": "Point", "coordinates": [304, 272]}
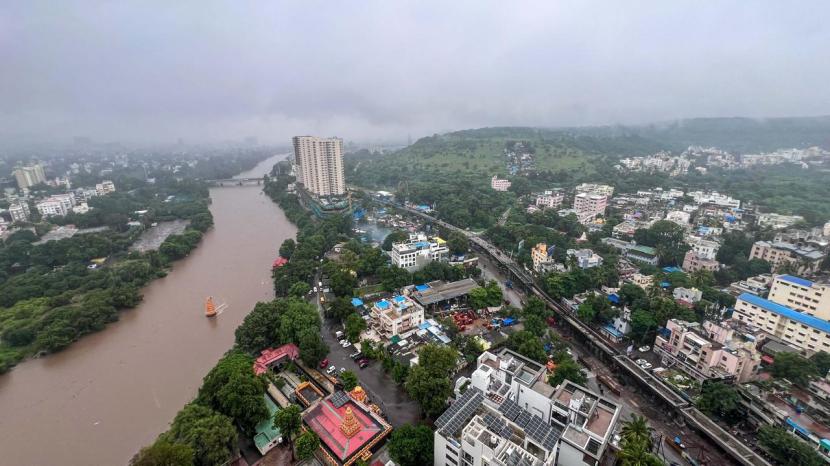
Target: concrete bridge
{"type": "Point", "coordinates": [236, 182]}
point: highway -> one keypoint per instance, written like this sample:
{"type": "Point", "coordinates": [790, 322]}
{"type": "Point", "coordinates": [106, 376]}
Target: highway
{"type": "Point", "coordinates": [734, 447]}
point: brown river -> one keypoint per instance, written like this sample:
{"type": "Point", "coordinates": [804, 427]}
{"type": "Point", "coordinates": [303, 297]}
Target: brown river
{"type": "Point", "coordinates": [100, 400]}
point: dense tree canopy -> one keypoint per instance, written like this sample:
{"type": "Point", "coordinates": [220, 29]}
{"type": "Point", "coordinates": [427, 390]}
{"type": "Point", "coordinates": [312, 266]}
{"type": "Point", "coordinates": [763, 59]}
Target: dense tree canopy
{"type": "Point", "coordinates": [411, 445]}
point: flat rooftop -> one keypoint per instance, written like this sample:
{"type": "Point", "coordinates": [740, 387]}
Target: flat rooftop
{"type": "Point", "coordinates": [443, 291]}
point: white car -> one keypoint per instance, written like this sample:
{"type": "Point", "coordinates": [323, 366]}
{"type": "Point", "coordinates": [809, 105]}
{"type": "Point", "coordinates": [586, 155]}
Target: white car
{"type": "Point", "coordinates": [346, 344]}
{"type": "Point", "coordinates": [331, 370]}
{"type": "Point", "coordinates": [646, 366]}
{"type": "Point", "coordinates": [644, 349]}
{"type": "Point", "coordinates": [342, 370]}
{"type": "Point", "coordinates": [641, 362]}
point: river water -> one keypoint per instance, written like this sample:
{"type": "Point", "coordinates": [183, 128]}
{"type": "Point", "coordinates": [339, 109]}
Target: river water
{"type": "Point", "coordinates": [100, 400]}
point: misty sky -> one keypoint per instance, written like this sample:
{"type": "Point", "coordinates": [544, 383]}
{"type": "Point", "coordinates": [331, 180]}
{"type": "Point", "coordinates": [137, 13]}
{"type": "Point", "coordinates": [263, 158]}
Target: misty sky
{"type": "Point", "coordinates": [204, 71]}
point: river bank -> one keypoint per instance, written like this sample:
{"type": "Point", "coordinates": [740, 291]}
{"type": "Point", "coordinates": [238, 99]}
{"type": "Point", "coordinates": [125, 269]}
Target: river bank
{"type": "Point", "coordinates": [110, 393]}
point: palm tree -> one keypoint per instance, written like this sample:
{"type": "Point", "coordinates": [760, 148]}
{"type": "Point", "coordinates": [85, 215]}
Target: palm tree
{"type": "Point", "coordinates": [637, 454]}
{"type": "Point", "coordinates": [637, 430]}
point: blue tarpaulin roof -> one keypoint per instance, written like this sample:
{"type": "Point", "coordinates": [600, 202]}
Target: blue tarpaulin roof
{"type": "Point", "coordinates": [665, 284]}
{"type": "Point", "coordinates": [357, 302]}
{"type": "Point", "coordinates": [610, 329]}
{"type": "Point", "coordinates": [423, 287]}
{"type": "Point", "coordinates": [399, 299]}
{"type": "Point", "coordinates": [614, 298]}
{"type": "Point", "coordinates": [671, 269]}
{"type": "Point", "coordinates": [382, 304]}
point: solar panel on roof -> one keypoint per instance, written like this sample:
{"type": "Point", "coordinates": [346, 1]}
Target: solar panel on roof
{"type": "Point", "coordinates": [460, 412]}
{"type": "Point", "coordinates": [339, 399]}
{"type": "Point", "coordinates": [506, 432]}
{"type": "Point", "coordinates": [510, 409]}
{"type": "Point", "coordinates": [550, 440]}
{"type": "Point", "coordinates": [523, 419]}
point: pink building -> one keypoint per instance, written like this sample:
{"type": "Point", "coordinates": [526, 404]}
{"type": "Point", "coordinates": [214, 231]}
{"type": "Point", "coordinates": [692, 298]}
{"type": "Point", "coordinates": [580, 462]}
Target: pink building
{"type": "Point", "coordinates": [692, 262]}
{"type": "Point", "coordinates": [271, 356]}
{"type": "Point", "coordinates": [499, 184]}
{"type": "Point", "coordinates": [711, 350]}
{"type": "Point", "coordinates": [589, 205]}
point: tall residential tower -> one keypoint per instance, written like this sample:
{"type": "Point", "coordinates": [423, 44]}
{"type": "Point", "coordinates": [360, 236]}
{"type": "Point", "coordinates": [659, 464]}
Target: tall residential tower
{"type": "Point", "coordinates": [320, 165]}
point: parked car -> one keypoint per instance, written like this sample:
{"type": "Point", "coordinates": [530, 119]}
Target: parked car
{"type": "Point", "coordinates": [355, 356]}
{"type": "Point", "coordinates": [331, 370]}
{"type": "Point", "coordinates": [644, 349]}
{"type": "Point", "coordinates": [324, 363]}
{"type": "Point", "coordinates": [339, 335]}
{"type": "Point", "coordinates": [646, 366]}
{"type": "Point", "coordinates": [342, 370]}
{"type": "Point", "coordinates": [640, 362]}
{"type": "Point", "coordinates": [363, 363]}
{"type": "Point", "coordinates": [346, 343]}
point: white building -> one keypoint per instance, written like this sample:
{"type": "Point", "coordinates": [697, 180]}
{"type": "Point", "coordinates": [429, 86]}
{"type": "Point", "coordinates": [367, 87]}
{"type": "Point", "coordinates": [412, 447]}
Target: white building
{"type": "Point", "coordinates": [320, 165]}
{"type": "Point", "coordinates": [510, 412]}
{"type": "Point", "coordinates": [715, 198]}
{"type": "Point", "coordinates": [415, 253]}
{"type": "Point", "coordinates": [679, 217]}
{"type": "Point", "coordinates": [689, 295]}
{"type": "Point", "coordinates": [585, 258]}
{"type": "Point", "coordinates": [804, 296]}
{"type": "Point", "coordinates": [778, 221]}
{"type": "Point", "coordinates": [51, 207]}
{"type": "Point", "coordinates": [593, 188]}
{"type": "Point", "coordinates": [19, 212]}
{"type": "Point", "coordinates": [704, 248]}
{"type": "Point", "coordinates": [396, 316]}
{"type": "Point", "coordinates": [499, 184]}
{"type": "Point", "coordinates": [550, 199]}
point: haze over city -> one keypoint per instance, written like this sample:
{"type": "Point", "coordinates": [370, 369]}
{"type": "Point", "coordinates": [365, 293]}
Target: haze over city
{"type": "Point", "coordinates": [154, 72]}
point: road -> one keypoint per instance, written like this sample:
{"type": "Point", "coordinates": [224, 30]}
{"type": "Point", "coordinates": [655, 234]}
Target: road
{"type": "Point", "coordinates": [395, 403]}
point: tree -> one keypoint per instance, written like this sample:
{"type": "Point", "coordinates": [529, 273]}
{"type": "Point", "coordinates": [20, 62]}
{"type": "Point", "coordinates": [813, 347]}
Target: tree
{"type": "Point", "coordinates": [396, 236]}
{"type": "Point", "coordinates": [821, 360]}
{"type": "Point", "coordinates": [478, 298]}
{"type": "Point", "coordinates": [411, 445]}
{"type": "Point", "coordinates": [637, 454]}
{"type": "Point", "coordinates": [287, 248]}
{"type": "Point", "coordinates": [787, 449]}
{"type": "Point", "coordinates": [428, 383]}
{"type": "Point", "coordinates": [535, 325]}
{"type": "Point", "coordinates": [527, 344]}
{"type": "Point", "coordinates": [164, 453]}
{"type": "Point", "coordinates": [340, 308]}
{"type": "Point", "coordinates": [643, 326]}
{"type": "Point", "coordinates": [793, 367]}
{"type": "Point", "coordinates": [349, 380]}
{"type": "Point", "coordinates": [299, 289]}
{"type": "Point", "coordinates": [354, 325]}
{"type": "Point", "coordinates": [259, 328]}
{"type": "Point", "coordinates": [721, 400]}
{"type": "Point", "coordinates": [631, 294]}
{"type": "Point", "coordinates": [457, 242]}
{"type": "Point", "coordinates": [210, 435]}
{"type": "Point", "coordinates": [288, 421]}
{"type": "Point", "coordinates": [567, 369]}
{"type": "Point", "coordinates": [233, 389]}
{"type": "Point", "coordinates": [307, 443]}
{"type": "Point", "coordinates": [637, 430]}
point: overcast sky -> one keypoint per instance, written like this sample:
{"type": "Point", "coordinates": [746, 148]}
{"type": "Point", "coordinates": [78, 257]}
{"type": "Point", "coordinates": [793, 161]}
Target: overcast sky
{"type": "Point", "coordinates": [204, 71]}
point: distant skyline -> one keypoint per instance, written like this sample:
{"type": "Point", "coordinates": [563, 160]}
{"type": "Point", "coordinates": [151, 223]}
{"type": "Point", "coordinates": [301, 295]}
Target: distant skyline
{"type": "Point", "coordinates": [202, 71]}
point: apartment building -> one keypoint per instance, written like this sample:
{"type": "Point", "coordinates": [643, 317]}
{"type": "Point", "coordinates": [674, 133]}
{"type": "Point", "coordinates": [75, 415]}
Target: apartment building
{"type": "Point", "coordinates": [711, 350]}
{"type": "Point", "coordinates": [802, 295]}
{"type": "Point", "coordinates": [679, 217]}
{"type": "Point", "coordinates": [541, 257]}
{"type": "Point", "coordinates": [550, 199]}
{"type": "Point", "coordinates": [687, 295]}
{"type": "Point", "coordinates": [714, 198]}
{"type": "Point", "coordinates": [396, 316]}
{"type": "Point", "coordinates": [704, 248]}
{"type": "Point", "coordinates": [590, 205]}
{"type": "Point", "coordinates": [29, 176]}
{"type": "Point", "coordinates": [633, 251]}
{"type": "Point", "coordinates": [798, 329]}
{"type": "Point", "coordinates": [643, 281]}
{"type": "Point", "coordinates": [499, 184]}
{"type": "Point", "coordinates": [806, 259]}
{"type": "Point", "coordinates": [585, 258]}
{"type": "Point", "coordinates": [104, 187]}
{"type": "Point", "coordinates": [19, 212]}
{"type": "Point", "coordinates": [415, 253]}
{"type": "Point", "coordinates": [319, 164]}
{"type": "Point", "coordinates": [564, 425]}
{"type": "Point", "coordinates": [51, 208]}
{"type": "Point", "coordinates": [692, 262]}
{"type": "Point", "coordinates": [778, 221]}
{"type": "Point", "coordinates": [605, 189]}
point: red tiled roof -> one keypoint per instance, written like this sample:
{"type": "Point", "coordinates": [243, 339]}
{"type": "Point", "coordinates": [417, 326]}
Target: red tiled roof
{"type": "Point", "coordinates": [270, 356]}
